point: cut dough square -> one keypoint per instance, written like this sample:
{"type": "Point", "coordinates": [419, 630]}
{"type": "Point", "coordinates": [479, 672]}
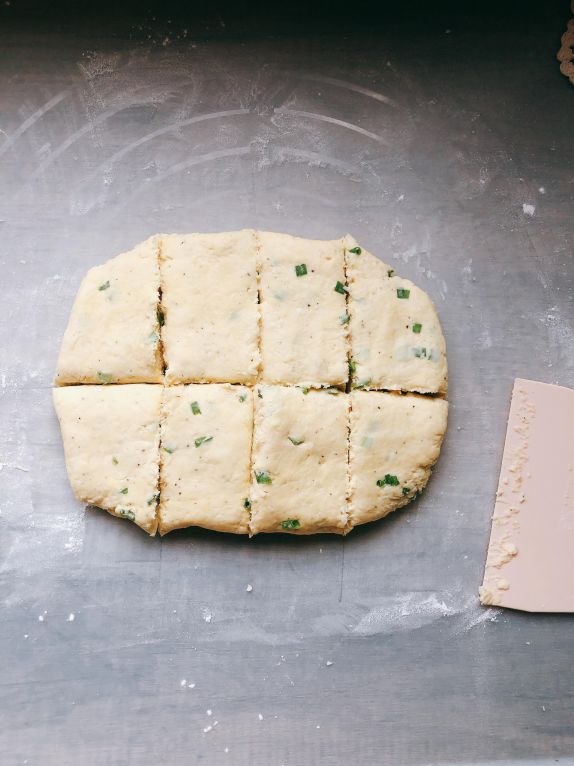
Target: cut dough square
{"type": "Point", "coordinates": [206, 448]}
{"type": "Point", "coordinates": [395, 440]}
{"type": "Point", "coordinates": [111, 443]}
{"type": "Point", "coordinates": [211, 314]}
{"type": "Point", "coordinates": [113, 332]}
{"type": "Point", "coordinates": [303, 310]}
{"type": "Point", "coordinates": [299, 472]}
{"type": "Point", "coordinates": [396, 337]}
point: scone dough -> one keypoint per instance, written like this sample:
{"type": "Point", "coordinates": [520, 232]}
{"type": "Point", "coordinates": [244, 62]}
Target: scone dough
{"type": "Point", "coordinates": [303, 310]}
{"type": "Point", "coordinates": [111, 442]}
{"type": "Point", "coordinates": [299, 481]}
{"type": "Point", "coordinates": [206, 435]}
{"type": "Point", "coordinates": [113, 332]}
{"type": "Point", "coordinates": [396, 338]}
{"type": "Point", "coordinates": [394, 443]}
{"type": "Point", "coordinates": [209, 298]}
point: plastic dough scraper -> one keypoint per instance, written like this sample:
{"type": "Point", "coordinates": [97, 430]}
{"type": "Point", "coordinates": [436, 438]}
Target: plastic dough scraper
{"type": "Point", "coordinates": [530, 560]}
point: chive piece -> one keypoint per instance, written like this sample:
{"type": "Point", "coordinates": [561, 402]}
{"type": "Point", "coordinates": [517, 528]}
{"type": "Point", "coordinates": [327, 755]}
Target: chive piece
{"type": "Point", "coordinates": [305, 390]}
{"type": "Point", "coordinates": [242, 397]}
{"type": "Point", "coordinates": [195, 408]}
{"type": "Point", "coordinates": [105, 377]}
{"type": "Point", "coordinates": [301, 269]}
{"type": "Point", "coordinates": [403, 292]}
{"type": "Point", "coordinates": [356, 250]}
{"type": "Point", "coordinates": [390, 479]}
{"type": "Point", "coordinates": [104, 286]}
{"type": "Point", "coordinates": [406, 491]}
{"type": "Point", "coordinates": [202, 440]}
{"type": "Point", "coordinates": [115, 460]}
{"type": "Point", "coordinates": [153, 499]}
{"type": "Point", "coordinates": [169, 449]}
{"type": "Point", "coordinates": [340, 288]}
{"type": "Point", "coordinates": [160, 316]}
{"type": "Point", "coordinates": [291, 524]}
{"type": "Point", "coordinates": [390, 272]}
{"type": "Point", "coordinates": [262, 477]}
{"type": "Point", "coordinates": [125, 514]}
{"type": "Point", "coordinates": [420, 353]}
{"type": "Point", "coordinates": [352, 366]}
{"type": "Point", "coordinates": [124, 491]}
{"type": "Point", "coordinates": [247, 504]}
{"type": "Point", "coordinates": [296, 442]}
{"type": "Point", "coordinates": [417, 327]}
{"type": "Point", "coordinates": [345, 318]}
{"type": "Point", "coordinates": [363, 383]}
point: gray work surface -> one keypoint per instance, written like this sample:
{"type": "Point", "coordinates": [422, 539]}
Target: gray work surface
{"type": "Point", "coordinates": [428, 142]}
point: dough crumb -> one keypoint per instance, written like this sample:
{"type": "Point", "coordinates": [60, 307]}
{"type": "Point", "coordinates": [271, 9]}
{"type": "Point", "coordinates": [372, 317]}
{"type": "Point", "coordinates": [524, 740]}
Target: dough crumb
{"type": "Point", "coordinates": [328, 663]}
{"type": "Point", "coordinates": [528, 210]}
{"type": "Point", "coordinates": [71, 617]}
{"type": "Point", "coordinates": [249, 588]}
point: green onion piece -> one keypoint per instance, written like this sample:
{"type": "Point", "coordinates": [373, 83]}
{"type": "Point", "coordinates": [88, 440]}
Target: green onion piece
{"type": "Point", "coordinates": [195, 408]}
{"type": "Point", "coordinates": [420, 353]}
{"type": "Point", "coordinates": [242, 397]}
{"type": "Point", "coordinates": [247, 504]}
{"type": "Point", "coordinates": [160, 316]}
{"type": "Point", "coordinates": [202, 440]}
{"type": "Point", "coordinates": [169, 449]}
{"type": "Point", "coordinates": [125, 514]}
{"type": "Point", "coordinates": [356, 250]}
{"type": "Point", "coordinates": [262, 477]}
{"type": "Point", "coordinates": [390, 272]}
{"type": "Point", "coordinates": [105, 377]}
{"type": "Point", "coordinates": [124, 491]}
{"type": "Point", "coordinates": [345, 318]}
{"type": "Point", "coordinates": [291, 524]}
{"type": "Point", "coordinates": [153, 499]}
{"type": "Point", "coordinates": [259, 394]}
{"type": "Point", "coordinates": [417, 327]}
{"type": "Point", "coordinates": [115, 460]}
{"type": "Point", "coordinates": [352, 367]}
{"type": "Point", "coordinates": [363, 383]}
{"type": "Point", "coordinates": [305, 390]}
{"type": "Point", "coordinates": [390, 479]}
{"type": "Point", "coordinates": [403, 292]}
{"type": "Point", "coordinates": [406, 491]}
{"type": "Point", "coordinates": [301, 269]}
{"type": "Point", "coordinates": [296, 442]}
{"type": "Point", "coordinates": [104, 286]}
{"type": "Point", "coordinates": [340, 288]}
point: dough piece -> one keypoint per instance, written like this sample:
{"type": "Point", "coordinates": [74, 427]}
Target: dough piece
{"type": "Point", "coordinates": [396, 337]}
{"type": "Point", "coordinates": [111, 442]}
{"type": "Point", "coordinates": [113, 332]}
{"type": "Point", "coordinates": [209, 284]}
{"type": "Point", "coordinates": [206, 448]}
{"type": "Point", "coordinates": [395, 440]}
{"type": "Point", "coordinates": [303, 317]}
{"type": "Point", "coordinates": [299, 473]}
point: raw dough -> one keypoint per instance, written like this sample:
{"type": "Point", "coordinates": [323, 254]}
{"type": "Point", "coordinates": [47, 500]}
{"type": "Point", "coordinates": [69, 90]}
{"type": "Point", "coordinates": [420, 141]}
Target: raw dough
{"type": "Point", "coordinates": [209, 297]}
{"type": "Point", "coordinates": [113, 332]}
{"type": "Point", "coordinates": [206, 447]}
{"type": "Point", "coordinates": [299, 475]}
{"type": "Point", "coordinates": [111, 441]}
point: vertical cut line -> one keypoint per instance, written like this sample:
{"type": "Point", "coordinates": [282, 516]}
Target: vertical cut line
{"type": "Point", "coordinates": [251, 453]}
{"type": "Point", "coordinates": [259, 312]}
{"type": "Point", "coordinates": [347, 325]}
{"type": "Point", "coordinates": [161, 484]}
{"type": "Point", "coordinates": [160, 311]}
{"type": "Point", "coordinates": [349, 524]}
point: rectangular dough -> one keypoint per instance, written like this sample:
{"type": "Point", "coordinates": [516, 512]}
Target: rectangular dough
{"type": "Point", "coordinates": [111, 443]}
{"type": "Point", "coordinates": [299, 472]}
{"type": "Point", "coordinates": [205, 452]}
{"type": "Point", "coordinates": [395, 440]}
{"type": "Point", "coordinates": [303, 327]}
{"type": "Point", "coordinates": [211, 313]}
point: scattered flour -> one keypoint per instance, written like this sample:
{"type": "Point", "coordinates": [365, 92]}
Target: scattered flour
{"type": "Point", "coordinates": [528, 210]}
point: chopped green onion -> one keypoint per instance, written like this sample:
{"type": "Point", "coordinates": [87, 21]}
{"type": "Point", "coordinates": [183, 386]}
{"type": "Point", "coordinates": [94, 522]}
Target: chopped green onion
{"type": "Point", "coordinates": [124, 491]}
{"type": "Point", "coordinates": [296, 442]}
{"type": "Point", "coordinates": [262, 477]}
{"type": "Point", "coordinates": [125, 514]}
{"type": "Point", "coordinates": [420, 353]}
{"type": "Point", "coordinates": [115, 460]}
{"type": "Point", "coordinates": [202, 440]}
{"type": "Point", "coordinates": [352, 367]}
{"type": "Point", "coordinates": [153, 499]}
{"type": "Point", "coordinates": [363, 383]}
{"type": "Point", "coordinates": [105, 378]}
{"type": "Point", "coordinates": [259, 394]}
{"type": "Point", "coordinates": [305, 390]}
{"type": "Point", "coordinates": [406, 491]}
{"type": "Point", "coordinates": [356, 250]}
{"type": "Point", "coordinates": [389, 479]}
{"type": "Point", "coordinates": [345, 318]}
{"type": "Point", "coordinates": [104, 286]}
{"type": "Point", "coordinates": [195, 408]}
{"type": "Point", "coordinates": [160, 316]}
{"type": "Point", "coordinates": [301, 269]}
{"type": "Point", "coordinates": [403, 292]}
{"type": "Point", "coordinates": [390, 272]}
{"type": "Point", "coordinates": [291, 524]}
{"type": "Point", "coordinates": [247, 504]}
{"type": "Point", "coordinates": [340, 288]}
{"type": "Point", "coordinates": [417, 327]}
{"type": "Point", "coordinates": [242, 397]}
{"type": "Point", "coordinates": [169, 449]}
